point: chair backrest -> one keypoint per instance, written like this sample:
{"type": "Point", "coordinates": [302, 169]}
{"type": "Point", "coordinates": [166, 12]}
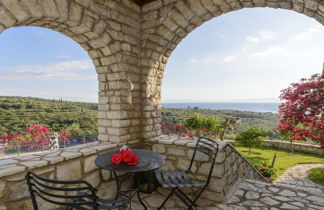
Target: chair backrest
{"type": "Point", "coordinates": [208, 147]}
{"type": "Point", "coordinates": [73, 194]}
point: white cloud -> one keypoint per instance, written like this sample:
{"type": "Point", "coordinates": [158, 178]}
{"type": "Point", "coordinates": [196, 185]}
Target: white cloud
{"type": "Point", "coordinates": [193, 60]}
{"type": "Point", "coordinates": [268, 52]}
{"type": "Point", "coordinates": [262, 35]}
{"type": "Point", "coordinates": [252, 39]}
{"type": "Point", "coordinates": [307, 33]}
{"type": "Point", "coordinates": [228, 59]}
{"type": "Point", "coordinates": [61, 70]}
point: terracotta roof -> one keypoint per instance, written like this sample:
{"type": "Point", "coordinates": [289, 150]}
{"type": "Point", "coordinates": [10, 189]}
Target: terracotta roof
{"type": "Point", "coordinates": [142, 2]}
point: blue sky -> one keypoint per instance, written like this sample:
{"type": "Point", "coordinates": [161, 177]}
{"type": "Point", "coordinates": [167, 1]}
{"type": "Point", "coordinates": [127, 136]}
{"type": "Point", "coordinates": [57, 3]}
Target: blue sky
{"type": "Point", "coordinates": [247, 55]}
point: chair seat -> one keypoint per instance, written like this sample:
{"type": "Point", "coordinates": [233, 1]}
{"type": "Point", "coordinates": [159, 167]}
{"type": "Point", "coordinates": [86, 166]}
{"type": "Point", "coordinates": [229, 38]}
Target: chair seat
{"type": "Point", "coordinates": [175, 178]}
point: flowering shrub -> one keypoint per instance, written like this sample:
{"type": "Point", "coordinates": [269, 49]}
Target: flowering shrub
{"type": "Point", "coordinates": [35, 137]}
{"type": "Point", "coordinates": [265, 169]}
{"type": "Point", "coordinates": [181, 130]}
{"type": "Point", "coordinates": [266, 172]}
{"type": "Point", "coordinates": [302, 113]}
{"type": "Point", "coordinates": [38, 136]}
{"type": "Point", "coordinates": [63, 136]}
{"type": "Point", "coordinates": [213, 127]}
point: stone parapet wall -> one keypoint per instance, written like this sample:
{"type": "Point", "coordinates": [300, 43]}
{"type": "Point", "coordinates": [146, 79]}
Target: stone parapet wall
{"type": "Point", "coordinates": [230, 165]}
{"type": "Point", "coordinates": [77, 163]}
{"type": "Point", "coordinates": [74, 163]}
{"type": "Point", "coordinates": [314, 149]}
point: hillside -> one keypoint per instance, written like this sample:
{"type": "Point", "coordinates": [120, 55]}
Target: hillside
{"type": "Point", "coordinates": [16, 113]}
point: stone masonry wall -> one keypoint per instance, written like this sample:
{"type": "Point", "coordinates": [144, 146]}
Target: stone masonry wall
{"type": "Point", "coordinates": [230, 165]}
{"type": "Point", "coordinates": [74, 163]}
{"type": "Point", "coordinates": [77, 163]}
{"type": "Point", "coordinates": [315, 149]}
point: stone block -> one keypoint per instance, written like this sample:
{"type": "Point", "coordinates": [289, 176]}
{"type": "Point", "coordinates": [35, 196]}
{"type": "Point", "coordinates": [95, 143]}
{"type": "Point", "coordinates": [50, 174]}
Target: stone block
{"type": "Point", "coordinates": [53, 160]}
{"type": "Point", "coordinates": [50, 8]}
{"type": "Point", "coordinates": [93, 178]}
{"type": "Point", "coordinates": [220, 157]}
{"type": "Point", "coordinates": [63, 9]}
{"type": "Point", "coordinates": [184, 164]}
{"type": "Point", "coordinates": [16, 9]}
{"type": "Point", "coordinates": [13, 169]}
{"type": "Point", "coordinates": [159, 148]}
{"type": "Point", "coordinates": [69, 170]}
{"type": "Point", "coordinates": [217, 185]}
{"type": "Point", "coordinates": [70, 155]}
{"type": "Point", "coordinates": [89, 164]}
{"type": "Point", "coordinates": [176, 152]}
{"type": "Point", "coordinates": [17, 191]}
{"type": "Point", "coordinates": [199, 156]}
{"type": "Point", "coordinates": [75, 13]}
{"type": "Point", "coordinates": [34, 7]}
{"type": "Point", "coordinates": [34, 164]}
{"type": "Point", "coordinates": [7, 161]}
{"type": "Point", "coordinates": [2, 188]}
{"type": "Point", "coordinates": [106, 175]}
{"type": "Point", "coordinates": [107, 190]}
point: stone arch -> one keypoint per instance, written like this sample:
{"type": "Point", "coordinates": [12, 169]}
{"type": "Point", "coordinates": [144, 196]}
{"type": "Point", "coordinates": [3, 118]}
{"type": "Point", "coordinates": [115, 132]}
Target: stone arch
{"type": "Point", "coordinates": [166, 23]}
{"type": "Point", "coordinates": [108, 31]}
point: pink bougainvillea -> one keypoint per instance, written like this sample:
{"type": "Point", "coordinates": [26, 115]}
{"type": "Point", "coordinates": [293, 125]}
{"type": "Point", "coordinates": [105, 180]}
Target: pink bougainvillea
{"type": "Point", "coordinates": [63, 136]}
{"type": "Point", "coordinates": [183, 131]}
{"type": "Point", "coordinates": [301, 114]}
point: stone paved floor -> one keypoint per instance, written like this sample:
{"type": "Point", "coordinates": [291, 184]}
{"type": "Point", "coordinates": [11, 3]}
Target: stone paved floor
{"type": "Point", "coordinates": [249, 195]}
{"type": "Point", "coordinates": [296, 177]}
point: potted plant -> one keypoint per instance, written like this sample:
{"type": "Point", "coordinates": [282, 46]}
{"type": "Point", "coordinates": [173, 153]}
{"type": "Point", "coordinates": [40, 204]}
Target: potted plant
{"type": "Point", "coordinates": [266, 170]}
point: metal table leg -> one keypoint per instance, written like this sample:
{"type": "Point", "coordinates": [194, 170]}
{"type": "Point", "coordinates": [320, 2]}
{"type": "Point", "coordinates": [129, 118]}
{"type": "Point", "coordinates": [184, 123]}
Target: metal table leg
{"type": "Point", "coordinates": [131, 192]}
{"type": "Point", "coordinates": [117, 185]}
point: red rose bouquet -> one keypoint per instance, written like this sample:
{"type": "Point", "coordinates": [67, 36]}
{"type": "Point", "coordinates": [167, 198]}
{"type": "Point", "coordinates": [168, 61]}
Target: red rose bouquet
{"type": "Point", "coordinates": [125, 155]}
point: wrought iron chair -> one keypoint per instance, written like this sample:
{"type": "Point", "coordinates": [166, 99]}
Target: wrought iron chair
{"type": "Point", "coordinates": [176, 179]}
{"type": "Point", "coordinates": [69, 194]}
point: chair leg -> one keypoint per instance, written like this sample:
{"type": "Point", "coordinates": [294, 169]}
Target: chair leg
{"type": "Point", "coordinates": [193, 203]}
{"type": "Point", "coordinates": [140, 200]}
{"type": "Point", "coordinates": [184, 195]}
{"type": "Point", "coordinates": [165, 200]}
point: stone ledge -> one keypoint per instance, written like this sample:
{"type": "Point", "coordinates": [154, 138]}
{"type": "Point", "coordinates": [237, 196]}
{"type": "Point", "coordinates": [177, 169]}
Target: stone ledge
{"type": "Point", "coordinates": [300, 147]}
{"type": "Point", "coordinates": [12, 166]}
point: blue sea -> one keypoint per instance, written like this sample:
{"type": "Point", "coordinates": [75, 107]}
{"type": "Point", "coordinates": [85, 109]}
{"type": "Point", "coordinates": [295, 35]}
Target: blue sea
{"type": "Point", "coordinates": [241, 106]}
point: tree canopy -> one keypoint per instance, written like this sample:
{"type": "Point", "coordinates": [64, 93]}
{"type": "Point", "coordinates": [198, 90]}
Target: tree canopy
{"type": "Point", "coordinates": [250, 137]}
{"type": "Point", "coordinates": [301, 113]}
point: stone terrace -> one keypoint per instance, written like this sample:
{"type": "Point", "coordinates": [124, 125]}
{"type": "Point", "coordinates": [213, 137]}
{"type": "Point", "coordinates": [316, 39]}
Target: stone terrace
{"type": "Point", "coordinates": [233, 184]}
{"type": "Point", "coordinates": [248, 194]}
{"type": "Point", "coordinates": [77, 163]}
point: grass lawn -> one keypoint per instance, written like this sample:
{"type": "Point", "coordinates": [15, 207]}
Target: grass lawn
{"type": "Point", "coordinates": [284, 158]}
{"type": "Point", "coordinates": [317, 175]}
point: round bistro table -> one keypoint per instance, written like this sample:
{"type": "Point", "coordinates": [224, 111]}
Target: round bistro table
{"type": "Point", "coordinates": [148, 161]}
